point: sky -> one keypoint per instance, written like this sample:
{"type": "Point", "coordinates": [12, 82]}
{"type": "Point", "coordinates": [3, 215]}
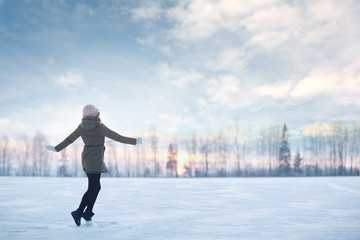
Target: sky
{"type": "Point", "coordinates": [178, 66]}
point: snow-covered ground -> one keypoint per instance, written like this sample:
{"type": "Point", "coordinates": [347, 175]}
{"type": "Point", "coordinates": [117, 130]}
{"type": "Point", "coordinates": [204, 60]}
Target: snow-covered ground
{"type": "Point", "coordinates": [222, 208]}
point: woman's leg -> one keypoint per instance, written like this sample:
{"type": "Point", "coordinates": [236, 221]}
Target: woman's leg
{"type": "Point", "coordinates": [90, 195]}
{"type": "Point", "coordinates": [93, 197]}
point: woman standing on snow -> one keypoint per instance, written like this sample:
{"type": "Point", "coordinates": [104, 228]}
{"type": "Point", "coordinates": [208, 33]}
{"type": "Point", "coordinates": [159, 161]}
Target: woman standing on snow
{"type": "Point", "coordinates": [93, 133]}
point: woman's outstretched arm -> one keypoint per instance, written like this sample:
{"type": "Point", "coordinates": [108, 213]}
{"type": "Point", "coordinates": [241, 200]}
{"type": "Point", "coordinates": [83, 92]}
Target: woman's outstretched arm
{"type": "Point", "coordinates": [69, 140]}
{"type": "Point", "coordinates": [117, 137]}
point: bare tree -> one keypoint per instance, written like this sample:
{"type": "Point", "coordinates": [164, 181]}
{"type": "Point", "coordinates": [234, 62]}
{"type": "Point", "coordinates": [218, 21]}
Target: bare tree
{"type": "Point", "coordinates": [138, 162]}
{"type": "Point", "coordinates": [143, 159]}
{"type": "Point", "coordinates": [261, 151]}
{"type": "Point", "coordinates": [337, 143]}
{"type": "Point", "coordinates": [221, 150]}
{"type": "Point", "coordinates": [354, 149]}
{"type": "Point", "coordinates": [154, 147]}
{"type": "Point", "coordinates": [328, 149]}
{"type": "Point", "coordinates": [23, 155]}
{"type": "Point", "coordinates": [191, 148]}
{"type": "Point", "coordinates": [298, 164]}
{"type": "Point", "coordinates": [343, 148]}
{"type": "Point", "coordinates": [127, 160]}
{"type": "Point", "coordinates": [5, 156]}
{"type": "Point", "coordinates": [237, 147]}
{"type": "Point", "coordinates": [205, 150]}
{"type": "Point", "coordinates": [75, 162]}
{"type": "Point", "coordinates": [113, 166]}
{"type": "Point", "coordinates": [63, 169]}
{"type": "Point", "coordinates": [41, 165]}
{"type": "Point", "coordinates": [271, 136]}
{"type": "Point", "coordinates": [245, 149]}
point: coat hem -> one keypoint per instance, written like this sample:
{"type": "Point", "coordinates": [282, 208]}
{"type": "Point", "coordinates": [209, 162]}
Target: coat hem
{"type": "Point", "coordinates": [95, 171]}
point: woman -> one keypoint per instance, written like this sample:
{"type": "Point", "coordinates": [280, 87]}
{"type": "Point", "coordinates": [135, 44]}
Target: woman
{"type": "Point", "coordinates": [93, 133]}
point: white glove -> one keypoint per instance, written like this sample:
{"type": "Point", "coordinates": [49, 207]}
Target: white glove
{"type": "Point", "coordinates": [138, 140]}
{"type": "Point", "coordinates": [50, 148]}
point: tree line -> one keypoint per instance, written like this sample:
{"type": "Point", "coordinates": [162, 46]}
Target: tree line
{"type": "Point", "coordinates": [326, 149]}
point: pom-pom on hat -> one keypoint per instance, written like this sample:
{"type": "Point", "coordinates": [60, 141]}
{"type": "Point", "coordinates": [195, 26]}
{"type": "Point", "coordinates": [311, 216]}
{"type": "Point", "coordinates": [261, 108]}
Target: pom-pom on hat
{"type": "Point", "coordinates": [90, 110]}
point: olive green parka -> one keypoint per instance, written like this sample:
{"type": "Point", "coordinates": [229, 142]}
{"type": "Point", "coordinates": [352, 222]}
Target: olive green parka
{"type": "Point", "coordinates": [93, 134]}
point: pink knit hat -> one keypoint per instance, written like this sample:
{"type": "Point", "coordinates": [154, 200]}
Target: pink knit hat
{"type": "Point", "coordinates": [90, 110]}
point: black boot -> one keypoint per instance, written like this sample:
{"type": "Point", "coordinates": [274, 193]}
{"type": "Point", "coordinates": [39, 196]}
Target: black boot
{"type": "Point", "coordinates": [87, 215]}
{"type": "Point", "coordinates": [77, 217]}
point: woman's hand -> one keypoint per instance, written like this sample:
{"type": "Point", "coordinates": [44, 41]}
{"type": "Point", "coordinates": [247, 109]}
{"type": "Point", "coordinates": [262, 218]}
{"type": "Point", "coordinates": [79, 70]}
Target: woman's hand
{"type": "Point", "coordinates": [50, 148]}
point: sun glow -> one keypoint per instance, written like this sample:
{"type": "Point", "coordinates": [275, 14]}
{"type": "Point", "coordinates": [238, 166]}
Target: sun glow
{"type": "Point", "coordinates": [182, 159]}
{"type": "Point", "coordinates": [181, 170]}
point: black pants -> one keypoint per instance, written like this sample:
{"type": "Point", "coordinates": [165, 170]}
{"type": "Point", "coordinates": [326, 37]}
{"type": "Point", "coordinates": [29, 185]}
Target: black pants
{"type": "Point", "coordinates": [89, 198]}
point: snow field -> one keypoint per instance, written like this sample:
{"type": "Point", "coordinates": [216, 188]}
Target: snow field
{"type": "Point", "coordinates": [214, 208]}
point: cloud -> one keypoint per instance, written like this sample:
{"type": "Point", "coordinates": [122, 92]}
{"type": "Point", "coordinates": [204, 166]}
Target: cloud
{"type": "Point", "coordinates": [196, 20]}
{"type": "Point", "coordinates": [340, 85]}
{"type": "Point", "coordinates": [277, 90]}
{"type": "Point", "coordinates": [269, 39]}
{"type": "Point", "coordinates": [323, 20]}
{"type": "Point", "coordinates": [343, 85]}
{"type": "Point", "coordinates": [84, 10]}
{"type": "Point", "coordinates": [316, 83]}
{"type": "Point", "coordinates": [201, 102]}
{"type": "Point", "coordinates": [146, 41]}
{"type": "Point", "coordinates": [224, 89]}
{"type": "Point", "coordinates": [320, 129]}
{"type": "Point", "coordinates": [272, 26]}
{"type": "Point", "coordinates": [4, 121]}
{"type": "Point", "coordinates": [178, 77]}
{"type": "Point", "coordinates": [214, 52]}
{"type": "Point", "coordinates": [315, 22]}
{"type": "Point", "coordinates": [230, 60]}
{"type": "Point", "coordinates": [71, 78]}
{"type": "Point", "coordinates": [225, 92]}
{"type": "Point", "coordinates": [325, 10]}
{"type": "Point", "coordinates": [269, 24]}
{"type": "Point", "coordinates": [200, 19]}
{"type": "Point", "coordinates": [146, 12]}
{"type": "Point", "coordinates": [173, 121]}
